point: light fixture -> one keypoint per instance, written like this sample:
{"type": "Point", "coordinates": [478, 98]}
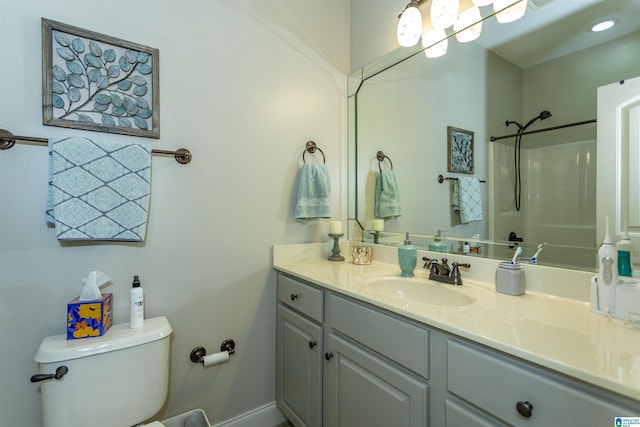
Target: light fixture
{"type": "Point", "coordinates": [463, 15]}
{"type": "Point", "coordinates": [409, 25]}
{"type": "Point", "coordinates": [509, 10]}
{"type": "Point", "coordinates": [444, 13]}
{"type": "Point", "coordinates": [468, 24]}
{"type": "Point", "coordinates": [435, 42]}
{"type": "Point", "coordinates": [603, 25]}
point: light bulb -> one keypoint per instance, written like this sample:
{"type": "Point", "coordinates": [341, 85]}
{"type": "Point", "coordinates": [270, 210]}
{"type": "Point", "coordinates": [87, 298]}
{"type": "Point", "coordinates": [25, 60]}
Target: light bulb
{"type": "Point", "coordinates": [472, 19]}
{"type": "Point", "coordinates": [516, 11]}
{"type": "Point", "coordinates": [437, 36]}
{"type": "Point", "coordinates": [482, 2]}
{"type": "Point", "coordinates": [444, 13]}
{"type": "Point", "coordinates": [409, 26]}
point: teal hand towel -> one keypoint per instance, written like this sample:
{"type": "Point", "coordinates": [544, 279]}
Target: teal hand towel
{"type": "Point", "coordinates": [387, 200]}
{"type": "Point", "coordinates": [98, 190]}
{"type": "Point", "coordinates": [467, 199]}
{"type": "Point", "coordinates": [313, 192]}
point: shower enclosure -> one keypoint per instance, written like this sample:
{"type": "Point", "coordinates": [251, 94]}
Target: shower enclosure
{"type": "Point", "coordinates": [557, 192]}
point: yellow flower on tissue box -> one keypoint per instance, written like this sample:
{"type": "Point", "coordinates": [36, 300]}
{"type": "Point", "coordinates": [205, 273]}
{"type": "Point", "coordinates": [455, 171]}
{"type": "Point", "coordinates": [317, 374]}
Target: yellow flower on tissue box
{"type": "Point", "coordinates": [87, 319]}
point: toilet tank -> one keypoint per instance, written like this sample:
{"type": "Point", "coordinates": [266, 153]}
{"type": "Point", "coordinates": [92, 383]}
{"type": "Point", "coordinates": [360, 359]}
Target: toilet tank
{"type": "Point", "coordinates": [117, 380]}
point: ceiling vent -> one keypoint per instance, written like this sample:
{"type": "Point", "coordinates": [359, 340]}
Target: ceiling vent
{"type": "Point", "coordinates": [537, 4]}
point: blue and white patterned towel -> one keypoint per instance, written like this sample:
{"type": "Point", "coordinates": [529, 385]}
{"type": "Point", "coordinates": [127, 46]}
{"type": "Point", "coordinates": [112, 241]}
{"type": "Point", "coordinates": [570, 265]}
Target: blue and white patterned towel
{"type": "Point", "coordinates": [467, 199]}
{"type": "Point", "coordinates": [98, 190]}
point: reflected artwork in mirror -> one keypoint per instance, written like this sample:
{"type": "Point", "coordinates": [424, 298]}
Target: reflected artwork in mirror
{"type": "Point", "coordinates": [404, 103]}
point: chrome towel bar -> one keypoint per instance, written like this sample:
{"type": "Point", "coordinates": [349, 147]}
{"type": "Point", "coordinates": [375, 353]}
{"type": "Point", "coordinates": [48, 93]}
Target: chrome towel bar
{"type": "Point", "coordinates": [442, 179]}
{"type": "Point", "coordinates": [8, 140]}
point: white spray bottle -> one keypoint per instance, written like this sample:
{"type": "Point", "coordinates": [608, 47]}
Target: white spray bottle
{"type": "Point", "coordinates": [136, 301]}
{"type": "Point", "coordinates": [607, 272]}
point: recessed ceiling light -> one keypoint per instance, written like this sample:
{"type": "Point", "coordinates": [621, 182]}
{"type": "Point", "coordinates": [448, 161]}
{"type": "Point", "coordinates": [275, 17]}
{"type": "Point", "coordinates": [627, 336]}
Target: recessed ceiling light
{"type": "Point", "coordinates": [603, 25]}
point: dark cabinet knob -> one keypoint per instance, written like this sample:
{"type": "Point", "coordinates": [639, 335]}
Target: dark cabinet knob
{"type": "Point", "coordinates": [524, 408]}
{"type": "Point", "coordinates": [294, 297]}
{"type": "Point", "coordinates": [312, 344]}
{"type": "Point", "coordinates": [328, 356]}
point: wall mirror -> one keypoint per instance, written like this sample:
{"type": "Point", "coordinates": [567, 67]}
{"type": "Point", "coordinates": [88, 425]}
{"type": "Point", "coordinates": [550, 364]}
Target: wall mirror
{"type": "Point", "coordinates": [544, 69]}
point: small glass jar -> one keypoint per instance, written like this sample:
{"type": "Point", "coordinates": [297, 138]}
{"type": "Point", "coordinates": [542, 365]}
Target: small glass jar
{"type": "Point", "coordinates": [510, 279]}
{"type": "Point", "coordinates": [362, 255]}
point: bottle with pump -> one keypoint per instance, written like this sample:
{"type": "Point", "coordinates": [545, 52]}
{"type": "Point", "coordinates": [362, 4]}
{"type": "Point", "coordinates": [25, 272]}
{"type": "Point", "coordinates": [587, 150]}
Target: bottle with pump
{"type": "Point", "coordinates": [136, 312]}
{"type": "Point", "coordinates": [407, 257]}
{"type": "Point", "coordinates": [607, 272]}
{"type": "Point", "coordinates": [438, 245]}
{"type": "Point", "coordinates": [625, 250]}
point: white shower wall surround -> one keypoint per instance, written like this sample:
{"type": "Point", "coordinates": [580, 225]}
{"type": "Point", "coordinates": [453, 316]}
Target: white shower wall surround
{"type": "Point", "coordinates": [558, 198]}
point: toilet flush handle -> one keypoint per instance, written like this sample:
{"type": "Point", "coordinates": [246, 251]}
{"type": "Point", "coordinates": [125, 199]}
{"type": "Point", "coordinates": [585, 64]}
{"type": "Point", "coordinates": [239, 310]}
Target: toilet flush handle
{"type": "Point", "coordinates": [60, 372]}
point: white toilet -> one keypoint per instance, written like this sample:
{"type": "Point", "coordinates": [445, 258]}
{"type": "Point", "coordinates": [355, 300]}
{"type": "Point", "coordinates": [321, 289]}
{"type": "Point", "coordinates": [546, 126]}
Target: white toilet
{"type": "Point", "coordinates": [117, 380]}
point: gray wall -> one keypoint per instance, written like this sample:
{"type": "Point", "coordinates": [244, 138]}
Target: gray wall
{"type": "Point", "coordinates": [244, 84]}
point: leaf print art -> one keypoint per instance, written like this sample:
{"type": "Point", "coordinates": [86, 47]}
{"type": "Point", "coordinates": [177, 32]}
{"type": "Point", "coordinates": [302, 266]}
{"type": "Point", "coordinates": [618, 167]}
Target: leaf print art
{"type": "Point", "coordinates": [100, 83]}
{"type": "Point", "coordinates": [460, 148]}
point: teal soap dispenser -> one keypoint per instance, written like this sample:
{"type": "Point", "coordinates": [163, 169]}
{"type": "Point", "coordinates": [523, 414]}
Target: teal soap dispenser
{"type": "Point", "coordinates": [407, 257]}
{"type": "Point", "coordinates": [438, 245]}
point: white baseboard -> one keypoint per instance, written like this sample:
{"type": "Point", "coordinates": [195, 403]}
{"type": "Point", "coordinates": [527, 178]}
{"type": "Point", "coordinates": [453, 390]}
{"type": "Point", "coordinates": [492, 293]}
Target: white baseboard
{"type": "Point", "coordinates": [264, 416]}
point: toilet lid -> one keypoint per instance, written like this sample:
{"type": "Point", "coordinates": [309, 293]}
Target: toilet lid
{"type": "Point", "coordinates": [154, 424]}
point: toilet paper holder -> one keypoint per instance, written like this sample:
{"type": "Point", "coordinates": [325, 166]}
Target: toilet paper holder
{"type": "Point", "coordinates": [197, 354]}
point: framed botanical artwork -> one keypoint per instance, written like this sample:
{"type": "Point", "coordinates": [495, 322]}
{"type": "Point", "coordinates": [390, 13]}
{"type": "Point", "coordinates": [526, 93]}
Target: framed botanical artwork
{"type": "Point", "coordinates": [96, 82]}
{"type": "Point", "coordinates": [459, 150]}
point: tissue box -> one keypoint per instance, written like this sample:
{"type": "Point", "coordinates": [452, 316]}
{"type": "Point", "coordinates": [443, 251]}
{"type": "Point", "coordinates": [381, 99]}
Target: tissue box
{"type": "Point", "coordinates": [87, 319]}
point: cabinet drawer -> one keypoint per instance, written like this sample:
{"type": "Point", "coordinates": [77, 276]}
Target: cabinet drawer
{"type": "Point", "coordinates": [495, 384]}
{"type": "Point", "coordinates": [400, 341]}
{"type": "Point", "coordinates": [300, 296]}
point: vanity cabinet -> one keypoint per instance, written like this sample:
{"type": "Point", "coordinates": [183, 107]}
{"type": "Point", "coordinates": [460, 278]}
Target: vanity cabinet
{"type": "Point", "coordinates": [344, 362]}
{"type": "Point", "coordinates": [340, 369]}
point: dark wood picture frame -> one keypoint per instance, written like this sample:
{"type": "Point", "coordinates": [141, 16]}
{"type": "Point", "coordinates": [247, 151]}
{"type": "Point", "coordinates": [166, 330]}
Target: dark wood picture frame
{"type": "Point", "coordinates": [460, 150]}
{"type": "Point", "coordinates": [96, 82]}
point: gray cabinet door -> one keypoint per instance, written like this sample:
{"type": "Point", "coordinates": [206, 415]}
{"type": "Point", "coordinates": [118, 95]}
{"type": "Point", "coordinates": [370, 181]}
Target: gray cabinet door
{"type": "Point", "coordinates": [458, 416]}
{"type": "Point", "coordinates": [299, 368]}
{"type": "Point", "coordinates": [363, 390]}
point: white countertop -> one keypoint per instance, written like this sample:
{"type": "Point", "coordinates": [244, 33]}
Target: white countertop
{"type": "Point", "coordinates": [559, 333]}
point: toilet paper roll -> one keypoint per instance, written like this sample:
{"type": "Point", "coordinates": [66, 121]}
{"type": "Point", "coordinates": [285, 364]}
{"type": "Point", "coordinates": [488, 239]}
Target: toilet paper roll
{"type": "Point", "coordinates": [215, 358]}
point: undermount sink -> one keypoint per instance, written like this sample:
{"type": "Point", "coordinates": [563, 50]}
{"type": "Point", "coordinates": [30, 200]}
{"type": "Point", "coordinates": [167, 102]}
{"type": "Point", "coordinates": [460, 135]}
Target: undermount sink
{"type": "Point", "coordinates": [415, 290]}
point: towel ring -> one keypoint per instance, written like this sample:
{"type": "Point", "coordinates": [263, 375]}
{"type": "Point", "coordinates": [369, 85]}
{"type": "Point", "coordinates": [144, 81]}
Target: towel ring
{"type": "Point", "coordinates": [381, 156]}
{"type": "Point", "coordinates": [311, 147]}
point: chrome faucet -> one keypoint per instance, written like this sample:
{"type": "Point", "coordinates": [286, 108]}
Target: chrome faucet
{"type": "Point", "coordinates": [441, 272]}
